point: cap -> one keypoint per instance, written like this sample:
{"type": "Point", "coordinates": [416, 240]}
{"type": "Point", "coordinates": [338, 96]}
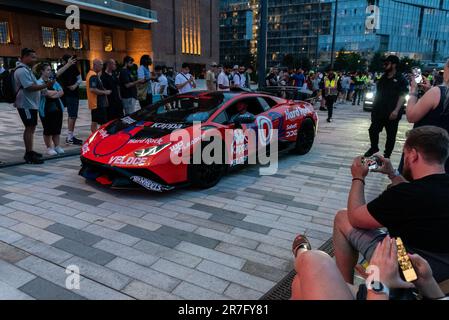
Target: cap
{"type": "Point", "coordinates": [393, 59]}
{"type": "Point", "coordinates": [236, 67]}
{"type": "Point", "coordinates": [214, 64]}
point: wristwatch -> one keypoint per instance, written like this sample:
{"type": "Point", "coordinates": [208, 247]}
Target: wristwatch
{"type": "Point", "coordinates": [395, 174]}
{"type": "Point", "coordinates": [379, 288]}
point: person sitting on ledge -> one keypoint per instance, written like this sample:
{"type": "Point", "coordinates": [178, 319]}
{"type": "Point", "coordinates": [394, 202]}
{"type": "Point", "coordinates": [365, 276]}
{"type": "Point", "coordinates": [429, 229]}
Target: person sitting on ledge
{"type": "Point", "coordinates": [415, 208]}
{"type": "Point", "coordinates": [318, 277]}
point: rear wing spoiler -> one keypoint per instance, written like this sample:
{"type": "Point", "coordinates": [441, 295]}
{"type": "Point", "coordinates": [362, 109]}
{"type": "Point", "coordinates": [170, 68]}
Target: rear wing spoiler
{"type": "Point", "coordinates": [289, 92]}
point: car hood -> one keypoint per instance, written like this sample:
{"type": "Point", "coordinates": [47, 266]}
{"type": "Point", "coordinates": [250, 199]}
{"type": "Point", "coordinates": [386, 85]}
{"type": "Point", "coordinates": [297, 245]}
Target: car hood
{"type": "Point", "coordinates": [118, 142]}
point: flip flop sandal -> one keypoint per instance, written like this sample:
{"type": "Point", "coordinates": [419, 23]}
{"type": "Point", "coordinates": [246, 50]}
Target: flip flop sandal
{"type": "Point", "coordinates": [300, 242]}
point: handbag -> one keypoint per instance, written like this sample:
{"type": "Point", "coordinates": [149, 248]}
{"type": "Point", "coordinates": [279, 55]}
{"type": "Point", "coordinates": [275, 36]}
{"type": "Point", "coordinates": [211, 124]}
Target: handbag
{"type": "Point", "coordinates": [142, 91]}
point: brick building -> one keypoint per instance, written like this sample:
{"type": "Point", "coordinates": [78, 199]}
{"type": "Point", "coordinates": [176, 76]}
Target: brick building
{"type": "Point", "coordinates": [171, 31]}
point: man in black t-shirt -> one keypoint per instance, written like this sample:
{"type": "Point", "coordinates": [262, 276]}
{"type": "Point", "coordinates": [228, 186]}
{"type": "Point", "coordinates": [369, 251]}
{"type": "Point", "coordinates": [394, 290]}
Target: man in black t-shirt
{"type": "Point", "coordinates": [416, 211]}
{"type": "Point", "coordinates": [111, 82]}
{"type": "Point", "coordinates": [128, 86]}
{"type": "Point", "coordinates": [70, 79]}
{"type": "Point", "coordinates": [387, 108]}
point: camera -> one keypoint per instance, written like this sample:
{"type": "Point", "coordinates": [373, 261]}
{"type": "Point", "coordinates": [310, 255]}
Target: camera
{"type": "Point", "coordinates": [373, 163]}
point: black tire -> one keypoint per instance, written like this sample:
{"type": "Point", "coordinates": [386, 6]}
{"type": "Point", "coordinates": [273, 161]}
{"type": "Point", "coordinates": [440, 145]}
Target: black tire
{"type": "Point", "coordinates": [306, 137]}
{"type": "Point", "coordinates": [205, 176]}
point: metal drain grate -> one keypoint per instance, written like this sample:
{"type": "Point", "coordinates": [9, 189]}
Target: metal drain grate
{"type": "Point", "coordinates": [283, 290]}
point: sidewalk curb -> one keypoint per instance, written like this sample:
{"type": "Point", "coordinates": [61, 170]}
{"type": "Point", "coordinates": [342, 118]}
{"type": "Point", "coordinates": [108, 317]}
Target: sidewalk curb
{"type": "Point", "coordinates": [19, 163]}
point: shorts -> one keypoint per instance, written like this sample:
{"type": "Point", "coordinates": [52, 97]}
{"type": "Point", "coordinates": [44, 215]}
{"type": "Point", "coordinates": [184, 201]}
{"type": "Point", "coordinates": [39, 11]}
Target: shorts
{"type": "Point", "coordinates": [52, 123]}
{"type": "Point", "coordinates": [28, 116]}
{"type": "Point", "coordinates": [72, 105]}
{"type": "Point", "coordinates": [365, 241]}
{"type": "Point", "coordinates": [129, 105]}
{"type": "Point", "coordinates": [100, 116]}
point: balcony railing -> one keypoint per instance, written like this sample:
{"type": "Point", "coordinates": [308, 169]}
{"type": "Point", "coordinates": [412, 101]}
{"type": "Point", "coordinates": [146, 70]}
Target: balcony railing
{"type": "Point", "coordinates": [114, 8]}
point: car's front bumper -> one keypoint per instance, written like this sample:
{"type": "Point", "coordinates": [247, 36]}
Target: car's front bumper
{"type": "Point", "coordinates": [120, 178]}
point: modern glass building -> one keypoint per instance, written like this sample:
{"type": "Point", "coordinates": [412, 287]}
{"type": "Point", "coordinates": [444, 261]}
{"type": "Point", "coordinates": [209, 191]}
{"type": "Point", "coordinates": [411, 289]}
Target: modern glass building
{"type": "Point", "coordinates": [293, 29]}
{"type": "Point", "coordinates": [415, 28]}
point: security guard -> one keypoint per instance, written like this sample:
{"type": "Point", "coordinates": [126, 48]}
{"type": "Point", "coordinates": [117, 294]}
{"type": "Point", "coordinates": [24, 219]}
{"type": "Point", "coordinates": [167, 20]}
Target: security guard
{"type": "Point", "coordinates": [390, 97]}
{"type": "Point", "coordinates": [331, 90]}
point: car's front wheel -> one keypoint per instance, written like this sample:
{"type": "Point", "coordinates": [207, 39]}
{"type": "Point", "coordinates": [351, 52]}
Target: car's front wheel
{"type": "Point", "coordinates": [306, 137]}
{"type": "Point", "coordinates": [206, 175]}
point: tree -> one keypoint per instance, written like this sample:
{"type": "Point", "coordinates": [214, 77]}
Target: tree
{"type": "Point", "coordinates": [296, 61]}
{"type": "Point", "coordinates": [406, 64]}
{"type": "Point", "coordinates": [351, 61]}
{"type": "Point", "coordinates": [303, 62]}
{"type": "Point", "coordinates": [288, 61]}
{"type": "Point", "coordinates": [248, 60]}
{"type": "Point", "coordinates": [377, 63]}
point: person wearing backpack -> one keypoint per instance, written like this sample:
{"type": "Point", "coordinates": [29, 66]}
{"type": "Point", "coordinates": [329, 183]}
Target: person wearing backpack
{"type": "Point", "coordinates": [27, 98]}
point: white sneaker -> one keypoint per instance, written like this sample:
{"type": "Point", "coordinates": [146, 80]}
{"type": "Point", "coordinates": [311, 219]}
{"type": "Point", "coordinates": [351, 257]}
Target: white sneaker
{"type": "Point", "coordinates": [59, 150]}
{"type": "Point", "coordinates": [51, 152]}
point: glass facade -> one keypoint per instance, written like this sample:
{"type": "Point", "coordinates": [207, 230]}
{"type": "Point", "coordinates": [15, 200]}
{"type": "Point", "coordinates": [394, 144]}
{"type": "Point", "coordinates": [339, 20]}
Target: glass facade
{"type": "Point", "coordinates": [414, 28]}
{"type": "Point", "coordinates": [293, 28]}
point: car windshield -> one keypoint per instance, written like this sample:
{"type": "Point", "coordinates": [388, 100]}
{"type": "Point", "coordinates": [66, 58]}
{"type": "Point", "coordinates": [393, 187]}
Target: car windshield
{"type": "Point", "coordinates": [186, 108]}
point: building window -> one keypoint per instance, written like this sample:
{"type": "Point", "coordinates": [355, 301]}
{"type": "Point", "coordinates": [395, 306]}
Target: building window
{"type": "Point", "coordinates": [63, 38]}
{"type": "Point", "coordinates": [5, 38]}
{"type": "Point", "coordinates": [48, 37]}
{"type": "Point", "coordinates": [108, 43]}
{"type": "Point", "coordinates": [191, 27]}
{"type": "Point", "coordinates": [76, 40]}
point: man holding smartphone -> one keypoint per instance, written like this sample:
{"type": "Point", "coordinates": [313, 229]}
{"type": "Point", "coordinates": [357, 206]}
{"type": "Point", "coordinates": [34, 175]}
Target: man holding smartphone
{"type": "Point", "coordinates": [69, 77]}
{"type": "Point", "coordinates": [415, 208]}
{"type": "Point", "coordinates": [185, 82]}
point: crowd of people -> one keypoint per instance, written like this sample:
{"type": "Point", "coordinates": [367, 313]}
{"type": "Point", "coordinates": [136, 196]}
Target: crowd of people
{"type": "Point", "coordinates": [414, 207]}
{"type": "Point", "coordinates": [113, 91]}
{"type": "Point", "coordinates": [329, 88]}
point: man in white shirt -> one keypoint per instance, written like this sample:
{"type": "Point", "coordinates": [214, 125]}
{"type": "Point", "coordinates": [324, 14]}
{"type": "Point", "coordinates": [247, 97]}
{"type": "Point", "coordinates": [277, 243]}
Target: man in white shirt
{"type": "Point", "coordinates": [185, 82]}
{"type": "Point", "coordinates": [223, 79]}
{"type": "Point", "coordinates": [162, 82]}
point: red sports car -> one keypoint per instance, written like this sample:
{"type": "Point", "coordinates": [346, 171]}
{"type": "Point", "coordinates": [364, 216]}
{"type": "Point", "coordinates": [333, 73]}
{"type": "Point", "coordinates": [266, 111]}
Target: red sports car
{"type": "Point", "coordinates": [139, 150]}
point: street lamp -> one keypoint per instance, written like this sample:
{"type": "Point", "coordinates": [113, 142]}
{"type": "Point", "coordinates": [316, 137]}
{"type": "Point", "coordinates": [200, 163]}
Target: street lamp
{"type": "Point", "coordinates": [262, 43]}
{"type": "Point", "coordinates": [334, 34]}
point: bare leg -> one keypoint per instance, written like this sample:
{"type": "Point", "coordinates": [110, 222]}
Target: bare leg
{"type": "Point", "coordinates": [28, 138]}
{"type": "Point", "coordinates": [93, 127]}
{"type": "Point", "coordinates": [71, 124]}
{"type": "Point", "coordinates": [318, 278]}
{"type": "Point", "coordinates": [47, 140]}
{"type": "Point", "coordinates": [345, 255]}
{"type": "Point", "coordinates": [56, 140]}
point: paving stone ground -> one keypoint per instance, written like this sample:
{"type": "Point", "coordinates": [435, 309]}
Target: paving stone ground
{"type": "Point", "coordinates": [230, 242]}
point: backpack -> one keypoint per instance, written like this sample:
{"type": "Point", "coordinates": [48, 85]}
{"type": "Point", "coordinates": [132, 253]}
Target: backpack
{"type": "Point", "coordinates": [8, 93]}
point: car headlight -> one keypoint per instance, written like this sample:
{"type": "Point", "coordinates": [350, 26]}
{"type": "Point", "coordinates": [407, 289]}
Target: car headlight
{"type": "Point", "coordinates": [370, 95]}
{"type": "Point", "coordinates": [92, 138]}
{"type": "Point", "coordinates": [150, 151]}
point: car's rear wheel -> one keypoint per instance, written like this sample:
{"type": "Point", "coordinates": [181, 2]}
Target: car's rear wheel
{"type": "Point", "coordinates": [306, 137]}
{"type": "Point", "coordinates": [206, 175]}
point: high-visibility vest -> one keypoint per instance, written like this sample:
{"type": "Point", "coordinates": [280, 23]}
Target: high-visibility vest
{"type": "Point", "coordinates": [331, 84]}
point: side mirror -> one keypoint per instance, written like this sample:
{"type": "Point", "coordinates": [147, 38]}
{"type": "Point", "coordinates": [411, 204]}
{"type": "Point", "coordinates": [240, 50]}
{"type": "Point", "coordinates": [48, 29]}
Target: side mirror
{"type": "Point", "coordinates": [245, 119]}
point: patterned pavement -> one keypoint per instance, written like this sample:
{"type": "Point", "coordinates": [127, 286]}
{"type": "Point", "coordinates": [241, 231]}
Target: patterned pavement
{"type": "Point", "coordinates": [229, 242]}
{"type": "Point", "coordinates": [11, 130]}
